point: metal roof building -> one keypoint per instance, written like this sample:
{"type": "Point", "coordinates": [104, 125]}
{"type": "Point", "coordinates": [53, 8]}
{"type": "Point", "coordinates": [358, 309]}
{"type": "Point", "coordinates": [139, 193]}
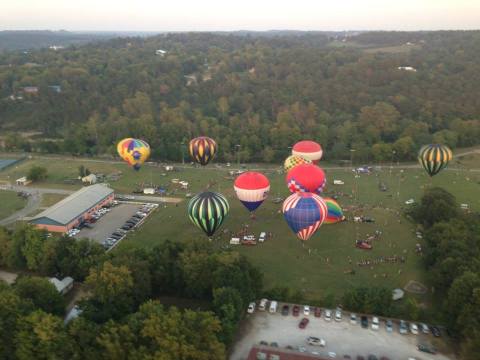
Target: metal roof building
{"type": "Point", "coordinates": [74, 209]}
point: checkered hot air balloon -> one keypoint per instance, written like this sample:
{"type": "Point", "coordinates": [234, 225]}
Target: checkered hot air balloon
{"type": "Point", "coordinates": [294, 160]}
{"type": "Point", "coordinates": [202, 149]}
{"type": "Point", "coordinates": [434, 158]}
{"type": "Point", "coordinates": [335, 213]}
{"type": "Point", "coordinates": [309, 150]}
{"type": "Point", "coordinates": [252, 189]}
{"type": "Point", "coordinates": [207, 211]}
{"type": "Point", "coordinates": [304, 213]}
{"type": "Point", "coordinates": [134, 151]}
{"type": "Point", "coordinates": [306, 178]}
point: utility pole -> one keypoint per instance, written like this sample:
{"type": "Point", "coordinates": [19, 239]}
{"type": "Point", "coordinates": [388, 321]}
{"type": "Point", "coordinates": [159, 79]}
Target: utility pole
{"type": "Point", "coordinates": [238, 155]}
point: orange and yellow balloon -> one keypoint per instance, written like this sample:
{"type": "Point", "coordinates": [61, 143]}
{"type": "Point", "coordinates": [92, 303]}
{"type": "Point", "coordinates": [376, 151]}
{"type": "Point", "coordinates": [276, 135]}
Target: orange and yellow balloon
{"type": "Point", "coordinates": [134, 151]}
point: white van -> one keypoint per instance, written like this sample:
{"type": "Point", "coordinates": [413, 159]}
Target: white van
{"type": "Point", "coordinates": [263, 305]}
{"type": "Point", "coordinates": [273, 306]}
{"type": "Point", "coordinates": [262, 236]}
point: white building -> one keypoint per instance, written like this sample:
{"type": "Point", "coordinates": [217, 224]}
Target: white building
{"type": "Point", "coordinates": [23, 181]}
{"type": "Point", "coordinates": [160, 52]}
{"type": "Point", "coordinates": [63, 286]}
{"type": "Point", "coordinates": [89, 179]}
{"type": "Point", "coordinates": [407, 68]}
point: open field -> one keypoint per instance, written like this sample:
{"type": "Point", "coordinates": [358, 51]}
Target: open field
{"type": "Point", "coordinates": [323, 265]}
{"type": "Point", "coordinates": [10, 203]}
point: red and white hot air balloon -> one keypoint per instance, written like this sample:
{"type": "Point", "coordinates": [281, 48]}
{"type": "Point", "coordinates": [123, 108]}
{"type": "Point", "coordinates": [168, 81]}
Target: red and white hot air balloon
{"type": "Point", "coordinates": [309, 150]}
{"type": "Point", "coordinates": [252, 189]}
{"type": "Point", "coordinates": [306, 178]}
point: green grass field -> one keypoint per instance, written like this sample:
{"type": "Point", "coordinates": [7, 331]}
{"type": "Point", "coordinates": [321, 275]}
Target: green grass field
{"type": "Point", "coordinates": [10, 203]}
{"type": "Point", "coordinates": [323, 265]}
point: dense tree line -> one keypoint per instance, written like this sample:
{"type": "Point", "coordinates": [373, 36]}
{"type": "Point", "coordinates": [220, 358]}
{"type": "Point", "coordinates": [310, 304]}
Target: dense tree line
{"type": "Point", "coordinates": [260, 92]}
{"type": "Point", "coordinates": [452, 257]}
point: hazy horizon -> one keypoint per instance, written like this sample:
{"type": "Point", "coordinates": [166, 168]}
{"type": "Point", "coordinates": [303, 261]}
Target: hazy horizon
{"type": "Point", "coordinates": [249, 15]}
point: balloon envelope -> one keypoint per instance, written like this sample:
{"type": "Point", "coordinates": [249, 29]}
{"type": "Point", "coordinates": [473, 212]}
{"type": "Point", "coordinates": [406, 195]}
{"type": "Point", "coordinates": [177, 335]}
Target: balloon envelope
{"type": "Point", "coordinates": [134, 151]}
{"type": "Point", "coordinates": [434, 158]}
{"type": "Point", "coordinates": [335, 213]}
{"type": "Point", "coordinates": [306, 178]}
{"type": "Point", "coordinates": [252, 189]}
{"type": "Point", "coordinates": [294, 160]}
{"type": "Point", "coordinates": [308, 149]}
{"type": "Point", "coordinates": [304, 213]}
{"type": "Point", "coordinates": [202, 149]}
{"type": "Point", "coordinates": [207, 211]}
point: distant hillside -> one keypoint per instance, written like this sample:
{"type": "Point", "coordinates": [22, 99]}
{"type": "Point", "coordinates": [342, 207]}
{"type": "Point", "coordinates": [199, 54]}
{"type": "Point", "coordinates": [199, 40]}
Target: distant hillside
{"type": "Point", "coordinates": [23, 40]}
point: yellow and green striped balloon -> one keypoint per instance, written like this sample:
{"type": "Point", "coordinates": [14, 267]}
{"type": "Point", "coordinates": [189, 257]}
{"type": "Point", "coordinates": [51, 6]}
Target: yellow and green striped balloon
{"type": "Point", "coordinates": [434, 158]}
{"type": "Point", "coordinates": [207, 210]}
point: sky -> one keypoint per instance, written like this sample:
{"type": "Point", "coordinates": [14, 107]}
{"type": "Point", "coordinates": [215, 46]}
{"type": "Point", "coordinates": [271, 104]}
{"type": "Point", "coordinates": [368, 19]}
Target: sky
{"type": "Point", "coordinates": [214, 15]}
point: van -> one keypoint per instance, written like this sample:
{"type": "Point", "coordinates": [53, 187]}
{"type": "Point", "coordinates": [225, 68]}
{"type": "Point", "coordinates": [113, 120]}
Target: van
{"type": "Point", "coordinates": [262, 236]}
{"type": "Point", "coordinates": [273, 306]}
{"type": "Point", "coordinates": [263, 304]}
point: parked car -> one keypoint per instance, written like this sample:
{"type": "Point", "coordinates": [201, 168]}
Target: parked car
{"type": "Point", "coordinates": [328, 315]}
{"type": "Point", "coordinates": [338, 315]}
{"type": "Point", "coordinates": [424, 328]}
{"type": "Point", "coordinates": [389, 325]}
{"type": "Point", "coordinates": [353, 319]}
{"type": "Point", "coordinates": [426, 348]}
{"type": "Point", "coordinates": [306, 310]}
{"type": "Point", "coordinates": [263, 305]}
{"type": "Point", "coordinates": [372, 357]}
{"type": "Point", "coordinates": [274, 344]}
{"type": "Point", "coordinates": [435, 331]}
{"type": "Point", "coordinates": [375, 323]}
{"type": "Point", "coordinates": [364, 322]}
{"type": "Point", "coordinates": [318, 312]}
{"type": "Point", "coordinates": [360, 357]}
{"type": "Point", "coordinates": [303, 323]}
{"type": "Point", "coordinates": [264, 343]}
{"type": "Point", "coordinates": [315, 341]}
{"type": "Point", "coordinates": [285, 310]}
{"type": "Point", "coordinates": [296, 310]}
{"type": "Point", "coordinates": [273, 307]}
{"type": "Point", "coordinates": [251, 308]}
{"type": "Point", "coordinates": [126, 227]}
{"type": "Point", "coordinates": [414, 329]}
{"type": "Point", "coordinates": [332, 355]}
{"type": "Point", "coordinates": [403, 329]}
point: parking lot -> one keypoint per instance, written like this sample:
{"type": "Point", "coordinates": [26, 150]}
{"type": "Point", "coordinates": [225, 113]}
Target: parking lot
{"type": "Point", "coordinates": [342, 338]}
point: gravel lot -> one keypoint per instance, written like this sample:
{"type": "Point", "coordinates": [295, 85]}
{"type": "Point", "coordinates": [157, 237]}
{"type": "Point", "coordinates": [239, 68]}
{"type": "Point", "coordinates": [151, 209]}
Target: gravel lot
{"type": "Point", "coordinates": [341, 337]}
{"type": "Point", "coordinates": [108, 223]}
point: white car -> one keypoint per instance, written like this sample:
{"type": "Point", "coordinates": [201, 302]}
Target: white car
{"type": "Point", "coordinates": [332, 355]}
{"type": "Point", "coordinates": [251, 308]}
{"type": "Point", "coordinates": [328, 315]}
{"type": "Point", "coordinates": [375, 323]}
{"type": "Point", "coordinates": [338, 315]}
{"type": "Point", "coordinates": [263, 305]}
{"type": "Point", "coordinates": [409, 202]}
{"type": "Point", "coordinates": [353, 319]}
{"type": "Point", "coordinates": [425, 328]}
{"type": "Point", "coordinates": [414, 329]}
{"type": "Point", "coordinates": [306, 310]}
{"type": "Point", "coordinates": [315, 341]}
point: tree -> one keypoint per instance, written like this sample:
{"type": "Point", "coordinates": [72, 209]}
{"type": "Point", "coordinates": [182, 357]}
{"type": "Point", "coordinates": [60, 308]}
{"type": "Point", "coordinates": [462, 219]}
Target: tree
{"type": "Point", "coordinates": [37, 173]}
{"type": "Point", "coordinates": [370, 300]}
{"type": "Point", "coordinates": [435, 206]}
{"type": "Point", "coordinates": [229, 307]}
{"type": "Point", "coordinates": [42, 293]}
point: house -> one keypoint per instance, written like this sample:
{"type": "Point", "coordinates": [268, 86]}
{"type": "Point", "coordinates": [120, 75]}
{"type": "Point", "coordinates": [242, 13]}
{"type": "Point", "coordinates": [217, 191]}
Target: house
{"type": "Point", "coordinates": [191, 79]}
{"type": "Point", "coordinates": [89, 179]}
{"type": "Point", "coordinates": [63, 286]}
{"type": "Point", "coordinates": [23, 181]}
{"type": "Point", "coordinates": [149, 191]}
{"type": "Point", "coordinates": [407, 68]}
{"type": "Point", "coordinates": [168, 168]}
{"type": "Point", "coordinates": [56, 47]}
{"type": "Point", "coordinates": [31, 90]}
{"type": "Point", "coordinates": [160, 52]}
{"type": "Point", "coordinates": [55, 88]}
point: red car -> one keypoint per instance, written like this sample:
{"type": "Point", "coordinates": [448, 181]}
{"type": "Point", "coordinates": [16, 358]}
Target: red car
{"type": "Point", "coordinates": [303, 323]}
{"type": "Point", "coordinates": [318, 312]}
{"type": "Point", "coordinates": [296, 310]}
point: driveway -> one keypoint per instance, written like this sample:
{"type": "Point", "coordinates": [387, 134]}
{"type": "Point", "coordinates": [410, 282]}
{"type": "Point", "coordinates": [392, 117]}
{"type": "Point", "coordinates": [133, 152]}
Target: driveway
{"type": "Point", "coordinates": [342, 337]}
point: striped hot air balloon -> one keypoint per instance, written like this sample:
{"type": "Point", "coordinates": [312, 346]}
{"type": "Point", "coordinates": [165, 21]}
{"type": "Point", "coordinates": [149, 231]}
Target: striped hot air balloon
{"type": "Point", "coordinates": [252, 189]}
{"type": "Point", "coordinates": [434, 158]}
{"type": "Point", "coordinates": [335, 213]}
{"type": "Point", "coordinates": [306, 178]}
{"type": "Point", "coordinates": [207, 210]}
{"type": "Point", "coordinates": [304, 213]}
{"type": "Point", "coordinates": [309, 150]}
{"type": "Point", "coordinates": [202, 149]}
{"type": "Point", "coordinates": [134, 151]}
{"type": "Point", "coordinates": [294, 160]}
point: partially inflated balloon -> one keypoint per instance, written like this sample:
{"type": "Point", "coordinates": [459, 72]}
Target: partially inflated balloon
{"type": "Point", "coordinates": [252, 189]}
{"type": "Point", "coordinates": [304, 213]}
{"type": "Point", "coordinates": [335, 213]}
{"type": "Point", "coordinates": [207, 210]}
{"type": "Point", "coordinates": [202, 149]}
{"type": "Point", "coordinates": [434, 158]}
{"type": "Point", "coordinates": [309, 150]}
{"type": "Point", "coordinates": [134, 151]}
{"type": "Point", "coordinates": [294, 160]}
{"type": "Point", "coordinates": [306, 178]}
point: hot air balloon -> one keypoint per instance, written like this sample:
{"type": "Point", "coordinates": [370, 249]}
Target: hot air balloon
{"type": "Point", "coordinates": [306, 178]}
{"type": "Point", "coordinates": [304, 213]}
{"type": "Point", "coordinates": [202, 149]}
{"type": "Point", "coordinates": [335, 213]}
{"type": "Point", "coordinates": [294, 160]}
{"type": "Point", "coordinates": [309, 150]}
{"type": "Point", "coordinates": [434, 158]}
{"type": "Point", "coordinates": [134, 151]}
{"type": "Point", "coordinates": [207, 210]}
{"type": "Point", "coordinates": [252, 189]}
